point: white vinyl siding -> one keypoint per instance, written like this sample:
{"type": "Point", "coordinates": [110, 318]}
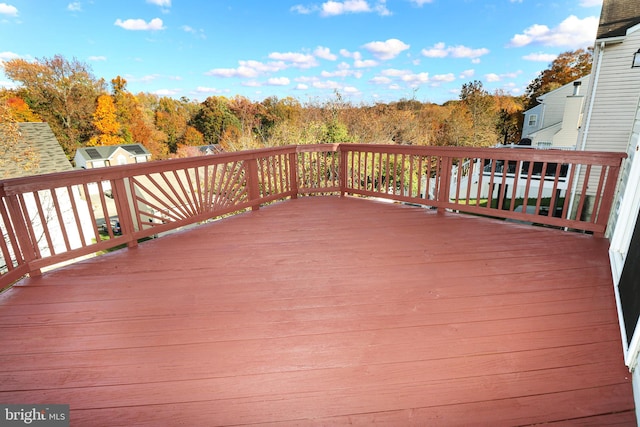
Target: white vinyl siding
{"type": "Point", "coordinates": [616, 98]}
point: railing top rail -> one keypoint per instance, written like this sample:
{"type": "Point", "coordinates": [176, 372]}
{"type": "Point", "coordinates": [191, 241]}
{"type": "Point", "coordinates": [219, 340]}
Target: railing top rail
{"type": "Point", "coordinates": [559, 156]}
{"type": "Point", "coordinates": [60, 179]}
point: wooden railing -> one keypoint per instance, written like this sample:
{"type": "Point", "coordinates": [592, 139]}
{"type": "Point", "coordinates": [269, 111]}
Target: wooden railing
{"type": "Point", "coordinates": [49, 219]}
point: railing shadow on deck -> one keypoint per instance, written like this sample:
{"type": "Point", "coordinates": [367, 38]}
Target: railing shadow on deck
{"type": "Point", "coordinates": [49, 219]}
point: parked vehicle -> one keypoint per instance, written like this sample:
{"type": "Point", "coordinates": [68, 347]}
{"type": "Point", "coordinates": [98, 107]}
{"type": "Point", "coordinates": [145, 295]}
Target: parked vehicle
{"type": "Point", "coordinates": [115, 226]}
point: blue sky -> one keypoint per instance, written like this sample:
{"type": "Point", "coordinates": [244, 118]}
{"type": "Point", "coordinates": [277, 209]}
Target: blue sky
{"type": "Point", "coordinates": [367, 50]}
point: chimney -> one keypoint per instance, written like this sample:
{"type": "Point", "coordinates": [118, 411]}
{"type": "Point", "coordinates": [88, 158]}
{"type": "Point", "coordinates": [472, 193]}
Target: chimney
{"type": "Point", "coordinates": [576, 88]}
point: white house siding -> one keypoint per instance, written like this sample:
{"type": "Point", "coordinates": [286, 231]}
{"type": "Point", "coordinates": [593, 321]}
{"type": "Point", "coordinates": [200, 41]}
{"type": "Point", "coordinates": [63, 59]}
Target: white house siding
{"type": "Point", "coordinates": [612, 104]}
{"type": "Point", "coordinates": [559, 116]}
{"type": "Point", "coordinates": [538, 111]}
{"type": "Point", "coordinates": [568, 135]}
{"type": "Point", "coordinates": [616, 98]}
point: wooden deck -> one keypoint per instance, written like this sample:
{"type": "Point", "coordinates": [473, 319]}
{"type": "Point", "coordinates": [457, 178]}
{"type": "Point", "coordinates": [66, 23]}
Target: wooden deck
{"type": "Point", "coordinates": [326, 311]}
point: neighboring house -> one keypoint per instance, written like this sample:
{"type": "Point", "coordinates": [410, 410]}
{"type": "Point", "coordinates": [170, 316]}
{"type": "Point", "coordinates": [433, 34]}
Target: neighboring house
{"type": "Point", "coordinates": [52, 159]}
{"type": "Point", "coordinates": [198, 150]}
{"type": "Point", "coordinates": [40, 138]}
{"type": "Point", "coordinates": [110, 155]}
{"type": "Point", "coordinates": [555, 122]}
{"type": "Point", "coordinates": [612, 123]}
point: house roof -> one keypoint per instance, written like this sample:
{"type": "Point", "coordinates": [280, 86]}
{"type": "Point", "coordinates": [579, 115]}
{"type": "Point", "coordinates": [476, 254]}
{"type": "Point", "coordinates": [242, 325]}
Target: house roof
{"type": "Point", "coordinates": [617, 17]}
{"type": "Point", "coordinates": [41, 139]}
{"type": "Point", "coordinates": [199, 150]}
{"type": "Point", "coordinates": [105, 152]}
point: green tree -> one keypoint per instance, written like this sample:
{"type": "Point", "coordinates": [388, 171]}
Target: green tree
{"type": "Point", "coordinates": [215, 120]}
{"type": "Point", "coordinates": [482, 109]}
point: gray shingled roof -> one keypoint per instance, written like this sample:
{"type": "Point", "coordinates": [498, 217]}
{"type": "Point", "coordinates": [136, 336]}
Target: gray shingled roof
{"type": "Point", "coordinates": [40, 137]}
{"type": "Point", "coordinates": [104, 152]}
{"type": "Point", "coordinates": [617, 17]}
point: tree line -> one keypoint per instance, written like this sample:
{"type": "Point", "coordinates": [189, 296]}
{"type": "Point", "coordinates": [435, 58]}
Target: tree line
{"type": "Point", "coordinates": [83, 110]}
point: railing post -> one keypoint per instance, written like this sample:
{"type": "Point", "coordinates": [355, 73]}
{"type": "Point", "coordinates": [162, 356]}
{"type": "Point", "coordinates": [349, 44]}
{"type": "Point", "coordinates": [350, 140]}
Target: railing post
{"type": "Point", "coordinates": [124, 211]}
{"type": "Point", "coordinates": [26, 247]}
{"type": "Point", "coordinates": [293, 173]}
{"type": "Point", "coordinates": [252, 182]}
{"type": "Point", "coordinates": [444, 184]}
{"type": "Point", "coordinates": [342, 177]}
{"type": "Point", "coordinates": [606, 202]}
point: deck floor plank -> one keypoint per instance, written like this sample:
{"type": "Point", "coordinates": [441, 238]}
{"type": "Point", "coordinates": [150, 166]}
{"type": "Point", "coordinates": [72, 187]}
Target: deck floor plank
{"type": "Point", "coordinates": [326, 311]}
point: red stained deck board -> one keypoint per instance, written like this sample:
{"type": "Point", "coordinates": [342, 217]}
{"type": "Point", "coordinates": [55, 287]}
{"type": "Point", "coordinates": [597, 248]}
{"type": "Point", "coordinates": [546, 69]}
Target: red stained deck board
{"type": "Point", "coordinates": [326, 311]}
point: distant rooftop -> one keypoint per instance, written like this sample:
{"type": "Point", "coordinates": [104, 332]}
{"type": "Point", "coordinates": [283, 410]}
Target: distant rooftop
{"type": "Point", "coordinates": [40, 138]}
{"type": "Point", "coordinates": [617, 17]}
{"type": "Point", "coordinates": [106, 151]}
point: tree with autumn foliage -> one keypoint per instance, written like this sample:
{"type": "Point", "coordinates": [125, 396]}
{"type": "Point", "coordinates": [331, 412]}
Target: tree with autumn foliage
{"type": "Point", "coordinates": [18, 108]}
{"type": "Point", "coordinates": [137, 126]}
{"type": "Point", "coordinates": [62, 92]}
{"type": "Point", "coordinates": [106, 123]}
{"type": "Point", "coordinates": [13, 148]}
{"type": "Point", "coordinates": [567, 67]}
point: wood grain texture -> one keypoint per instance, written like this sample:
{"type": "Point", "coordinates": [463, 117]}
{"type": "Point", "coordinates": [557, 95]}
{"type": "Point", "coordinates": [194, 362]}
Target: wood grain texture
{"type": "Point", "coordinates": [326, 311]}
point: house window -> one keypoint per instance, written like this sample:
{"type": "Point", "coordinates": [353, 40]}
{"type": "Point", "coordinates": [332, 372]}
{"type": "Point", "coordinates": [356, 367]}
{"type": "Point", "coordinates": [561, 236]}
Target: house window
{"type": "Point", "coordinates": [533, 119]}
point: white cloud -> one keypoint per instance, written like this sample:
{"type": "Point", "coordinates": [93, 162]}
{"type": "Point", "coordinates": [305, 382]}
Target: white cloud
{"type": "Point", "coordinates": [199, 33]}
{"type": "Point", "coordinates": [241, 71]}
{"type": "Point", "coordinates": [540, 57]}
{"type": "Point", "coordinates": [441, 50]}
{"type": "Point", "coordinates": [7, 85]}
{"type": "Point", "coordinates": [367, 63]}
{"type": "Point", "coordinates": [7, 9]}
{"type": "Point", "coordinates": [6, 56]}
{"type": "Point", "coordinates": [140, 24]}
{"type": "Point", "coordinates": [74, 7]}
{"type": "Point", "coordinates": [443, 78]}
{"type": "Point", "coordinates": [394, 72]}
{"type": "Point", "coordinates": [335, 8]}
{"type": "Point", "coordinates": [161, 3]}
{"type": "Point", "coordinates": [573, 32]}
{"type": "Point", "coordinates": [380, 80]}
{"type": "Point", "coordinates": [331, 7]}
{"type": "Point", "coordinates": [493, 77]}
{"type": "Point", "coordinates": [329, 84]}
{"type": "Point", "coordinates": [298, 60]}
{"type": "Point", "coordinates": [167, 92]}
{"type": "Point", "coordinates": [146, 79]}
{"type": "Point", "coordinates": [438, 50]}
{"type": "Point", "coordinates": [416, 79]}
{"type": "Point", "coordinates": [303, 10]}
{"type": "Point", "coordinates": [325, 53]}
{"type": "Point", "coordinates": [306, 79]}
{"type": "Point", "coordinates": [351, 90]}
{"type": "Point", "coordinates": [342, 73]}
{"type": "Point", "coordinates": [420, 3]}
{"type": "Point", "coordinates": [301, 86]}
{"type": "Point", "coordinates": [278, 81]}
{"type": "Point", "coordinates": [466, 74]}
{"type": "Point", "coordinates": [97, 58]}
{"type": "Point", "coordinates": [248, 69]}
{"type": "Point", "coordinates": [386, 50]}
{"type": "Point", "coordinates": [204, 89]}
